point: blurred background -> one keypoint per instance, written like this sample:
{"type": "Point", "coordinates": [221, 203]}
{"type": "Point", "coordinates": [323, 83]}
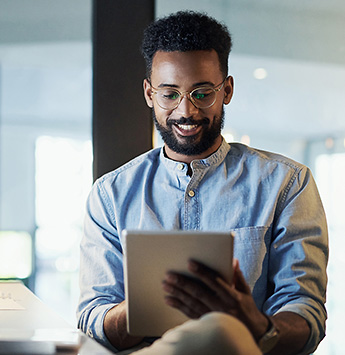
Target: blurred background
{"type": "Point", "coordinates": [288, 63]}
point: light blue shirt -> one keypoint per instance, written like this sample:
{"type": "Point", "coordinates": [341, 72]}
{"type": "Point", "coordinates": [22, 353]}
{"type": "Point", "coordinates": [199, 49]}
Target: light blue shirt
{"type": "Point", "coordinates": [269, 201]}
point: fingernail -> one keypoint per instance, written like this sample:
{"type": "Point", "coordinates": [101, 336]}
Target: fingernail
{"type": "Point", "coordinates": [172, 278]}
{"type": "Point", "coordinates": [167, 287]}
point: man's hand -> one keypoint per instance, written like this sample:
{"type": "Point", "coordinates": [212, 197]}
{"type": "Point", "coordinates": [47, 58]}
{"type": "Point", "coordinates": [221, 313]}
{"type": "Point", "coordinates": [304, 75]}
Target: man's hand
{"type": "Point", "coordinates": [115, 328]}
{"type": "Point", "coordinates": [208, 292]}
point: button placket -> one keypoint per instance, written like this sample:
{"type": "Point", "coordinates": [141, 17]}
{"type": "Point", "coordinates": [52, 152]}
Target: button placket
{"type": "Point", "coordinates": [191, 193]}
{"type": "Point", "coordinates": [192, 207]}
{"type": "Point", "coordinates": [180, 166]}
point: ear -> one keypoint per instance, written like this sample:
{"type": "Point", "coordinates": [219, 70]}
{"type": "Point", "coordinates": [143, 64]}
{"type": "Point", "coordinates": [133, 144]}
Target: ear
{"type": "Point", "coordinates": [228, 89]}
{"type": "Point", "coordinates": [148, 93]}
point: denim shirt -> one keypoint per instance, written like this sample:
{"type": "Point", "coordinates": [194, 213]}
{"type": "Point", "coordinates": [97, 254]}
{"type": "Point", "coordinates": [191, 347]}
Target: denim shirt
{"type": "Point", "coordinates": [270, 202]}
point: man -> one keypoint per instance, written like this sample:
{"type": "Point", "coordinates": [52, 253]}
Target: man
{"type": "Point", "coordinates": [198, 181]}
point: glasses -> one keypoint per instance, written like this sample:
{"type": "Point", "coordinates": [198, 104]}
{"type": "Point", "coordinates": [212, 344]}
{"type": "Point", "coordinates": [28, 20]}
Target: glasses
{"type": "Point", "coordinates": [202, 97]}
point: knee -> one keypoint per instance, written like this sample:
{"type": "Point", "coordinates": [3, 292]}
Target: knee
{"type": "Point", "coordinates": [226, 332]}
{"type": "Point", "coordinates": [220, 325]}
{"type": "Point", "coordinates": [214, 333]}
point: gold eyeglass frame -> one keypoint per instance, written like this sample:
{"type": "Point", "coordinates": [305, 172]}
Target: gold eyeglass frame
{"type": "Point", "coordinates": [188, 94]}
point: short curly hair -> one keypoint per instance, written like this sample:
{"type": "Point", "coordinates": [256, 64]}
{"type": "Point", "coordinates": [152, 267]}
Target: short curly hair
{"type": "Point", "coordinates": [186, 31]}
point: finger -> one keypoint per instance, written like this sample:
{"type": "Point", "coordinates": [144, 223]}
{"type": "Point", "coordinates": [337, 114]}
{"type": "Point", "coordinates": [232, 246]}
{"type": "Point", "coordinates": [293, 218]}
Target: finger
{"type": "Point", "coordinates": [230, 291]}
{"type": "Point", "coordinates": [235, 264]}
{"type": "Point", "coordinates": [197, 311]}
{"type": "Point", "coordinates": [192, 286]}
{"type": "Point", "coordinates": [235, 267]}
{"type": "Point", "coordinates": [207, 275]}
{"type": "Point", "coordinates": [190, 291]}
{"type": "Point", "coordinates": [186, 303]}
{"type": "Point", "coordinates": [240, 282]}
{"type": "Point", "coordinates": [228, 294]}
{"type": "Point", "coordinates": [210, 278]}
{"type": "Point", "coordinates": [224, 297]}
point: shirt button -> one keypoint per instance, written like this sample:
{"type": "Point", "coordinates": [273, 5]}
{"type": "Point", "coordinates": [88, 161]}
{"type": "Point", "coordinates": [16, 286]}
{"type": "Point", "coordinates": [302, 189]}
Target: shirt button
{"type": "Point", "coordinates": [191, 193]}
{"type": "Point", "coordinates": [180, 167]}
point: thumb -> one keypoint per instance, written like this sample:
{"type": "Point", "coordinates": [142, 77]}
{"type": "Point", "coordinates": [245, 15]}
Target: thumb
{"type": "Point", "coordinates": [239, 280]}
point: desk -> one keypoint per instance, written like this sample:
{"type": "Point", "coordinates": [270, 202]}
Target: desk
{"type": "Point", "coordinates": [23, 316]}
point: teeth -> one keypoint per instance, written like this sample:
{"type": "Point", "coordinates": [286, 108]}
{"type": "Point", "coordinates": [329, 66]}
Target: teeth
{"type": "Point", "coordinates": [187, 127]}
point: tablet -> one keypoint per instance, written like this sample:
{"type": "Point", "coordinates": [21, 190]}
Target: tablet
{"type": "Point", "coordinates": [148, 255]}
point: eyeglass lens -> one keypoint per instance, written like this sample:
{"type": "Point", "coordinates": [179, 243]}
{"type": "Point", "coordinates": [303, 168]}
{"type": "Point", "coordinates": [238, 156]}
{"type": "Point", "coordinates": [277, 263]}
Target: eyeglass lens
{"type": "Point", "coordinates": [200, 97]}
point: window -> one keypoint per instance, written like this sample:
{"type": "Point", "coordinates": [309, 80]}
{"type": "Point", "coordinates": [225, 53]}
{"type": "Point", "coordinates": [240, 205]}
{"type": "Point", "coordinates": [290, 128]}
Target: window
{"type": "Point", "coordinates": [15, 255]}
{"type": "Point", "coordinates": [330, 176]}
{"type": "Point", "coordinates": [45, 108]}
{"type": "Point", "coordinates": [63, 181]}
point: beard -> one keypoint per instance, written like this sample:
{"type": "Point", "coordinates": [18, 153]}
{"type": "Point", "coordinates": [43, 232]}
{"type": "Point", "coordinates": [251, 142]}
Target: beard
{"type": "Point", "coordinates": [191, 145]}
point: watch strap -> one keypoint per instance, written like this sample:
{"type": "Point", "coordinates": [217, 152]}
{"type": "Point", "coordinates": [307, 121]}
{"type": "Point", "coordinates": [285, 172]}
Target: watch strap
{"type": "Point", "coordinates": [270, 339]}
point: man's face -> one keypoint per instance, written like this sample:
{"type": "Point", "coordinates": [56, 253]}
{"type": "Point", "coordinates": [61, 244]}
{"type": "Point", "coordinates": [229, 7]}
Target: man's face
{"type": "Point", "coordinates": [188, 130]}
{"type": "Point", "coordinates": [194, 144]}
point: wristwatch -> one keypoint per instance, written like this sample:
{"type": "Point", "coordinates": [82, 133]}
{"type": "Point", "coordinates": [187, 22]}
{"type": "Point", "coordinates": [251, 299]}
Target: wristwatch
{"type": "Point", "coordinates": [270, 339]}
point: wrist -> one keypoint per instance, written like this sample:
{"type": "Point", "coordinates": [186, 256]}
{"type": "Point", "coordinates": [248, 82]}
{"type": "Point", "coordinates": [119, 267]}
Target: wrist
{"type": "Point", "coordinates": [261, 327]}
{"type": "Point", "coordinates": [115, 328]}
{"type": "Point", "coordinates": [270, 338]}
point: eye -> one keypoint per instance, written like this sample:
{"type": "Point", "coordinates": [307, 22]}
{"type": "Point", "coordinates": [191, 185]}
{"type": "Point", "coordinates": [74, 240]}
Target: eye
{"type": "Point", "coordinates": [201, 94]}
{"type": "Point", "coordinates": [169, 94]}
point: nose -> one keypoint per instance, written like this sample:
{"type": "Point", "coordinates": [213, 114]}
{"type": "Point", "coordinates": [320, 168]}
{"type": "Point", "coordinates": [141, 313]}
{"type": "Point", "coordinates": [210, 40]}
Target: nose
{"type": "Point", "coordinates": [186, 107]}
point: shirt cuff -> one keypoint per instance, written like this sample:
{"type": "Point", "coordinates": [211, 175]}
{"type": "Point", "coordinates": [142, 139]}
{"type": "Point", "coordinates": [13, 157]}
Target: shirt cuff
{"type": "Point", "coordinates": [96, 328]}
{"type": "Point", "coordinates": [317, 331]}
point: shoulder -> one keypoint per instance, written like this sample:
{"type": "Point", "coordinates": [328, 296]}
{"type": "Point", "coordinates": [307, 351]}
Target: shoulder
{"type": "Point", "coordinates": [131, 168]}
{"type": "Point", "coordinates": [262, 158]}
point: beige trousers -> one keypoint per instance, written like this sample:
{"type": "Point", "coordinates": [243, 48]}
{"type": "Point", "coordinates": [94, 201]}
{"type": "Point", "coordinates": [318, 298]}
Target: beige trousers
{"type": "Point", "coordinates": [214, 333]}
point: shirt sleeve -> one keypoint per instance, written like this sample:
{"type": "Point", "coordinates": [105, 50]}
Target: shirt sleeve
{"type": "Point", "coordinates": [101, 271]}
{"type": "Point", "coordinates": [299, 255]}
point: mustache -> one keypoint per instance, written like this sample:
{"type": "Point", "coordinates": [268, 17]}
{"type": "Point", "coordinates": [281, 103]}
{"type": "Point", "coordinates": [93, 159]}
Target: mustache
{"type": "Point", "coordinates": [188, 121]}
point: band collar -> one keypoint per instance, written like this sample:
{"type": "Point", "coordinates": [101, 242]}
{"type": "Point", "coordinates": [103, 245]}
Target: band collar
{"type": "Point", "coordinates": [214, 160]}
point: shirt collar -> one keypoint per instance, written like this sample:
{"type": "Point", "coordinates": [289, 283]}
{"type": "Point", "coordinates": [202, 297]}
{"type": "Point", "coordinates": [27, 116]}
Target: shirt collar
{"type": "Point", "coordinates": [213, 160]}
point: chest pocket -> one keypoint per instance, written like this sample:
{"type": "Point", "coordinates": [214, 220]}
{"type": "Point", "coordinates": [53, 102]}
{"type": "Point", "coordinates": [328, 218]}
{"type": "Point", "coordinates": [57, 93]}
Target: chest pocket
{"type": "Point", "coordinates": [251, 248]}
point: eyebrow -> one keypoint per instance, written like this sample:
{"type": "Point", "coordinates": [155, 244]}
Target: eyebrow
{"type": "Point", "coordinates": [201, 83]}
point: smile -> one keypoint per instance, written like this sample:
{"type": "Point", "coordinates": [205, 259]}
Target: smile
{"type": "Point", "coordinates": [187, 130]}
{"type": "Point", "coordinates": [186, 127]}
